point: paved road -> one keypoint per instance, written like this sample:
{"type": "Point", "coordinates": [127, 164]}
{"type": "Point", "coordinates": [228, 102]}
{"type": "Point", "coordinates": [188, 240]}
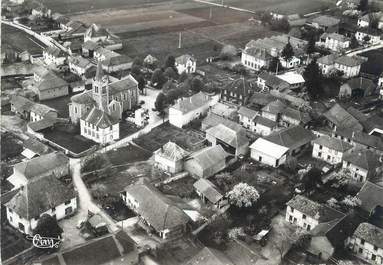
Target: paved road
{"type": "Point", "coordinates": [371, 48]}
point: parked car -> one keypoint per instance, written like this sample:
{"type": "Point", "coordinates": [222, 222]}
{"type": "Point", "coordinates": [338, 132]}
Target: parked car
{"type": "Point", "coordinates": [262, 236]}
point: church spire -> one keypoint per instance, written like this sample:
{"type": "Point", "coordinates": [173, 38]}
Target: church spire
{"type": "Point", "coordinates": [99, 72]}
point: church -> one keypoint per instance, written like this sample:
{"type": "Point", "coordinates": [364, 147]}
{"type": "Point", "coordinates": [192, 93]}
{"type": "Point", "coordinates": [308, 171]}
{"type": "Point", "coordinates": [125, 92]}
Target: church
{"type": "Point", "coordinates": [100, 109]}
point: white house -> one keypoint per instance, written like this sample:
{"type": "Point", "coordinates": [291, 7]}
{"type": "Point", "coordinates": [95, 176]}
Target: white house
{"type": "Point", "coordinates": [364, 21]}
{"type": "Point", "coordinates": [294, 79]}
{"type": "Point", "coordinates": [334, 41]}
{"type": "Point", "coordinates": [267, 152]}
{"type": "Point", "coordinates": [54, 55]}
{"type": "Point", "coordinates": [349, 65]}
{"type": "Point", "coordinates": [186, 63]}
{"type": "Point", "coordinates": [291, 63]}
{"type": "Point", "coordinates": [264, 126]}
{"type": "Point", "coordinates": [42, 195]}
{"type": "Point", "coordinates": [307, 214]}
{"type": "Point", "coordinates": [99, 126]}
{"type": "Point", "coordinates": [367, 243]}
{"type": "Point", "coordinates": [368, 35]}
{"type": "Point", "coordinates": [78, 65]}
{"type": "Point", "coordinates": [188, 109]}
{"type": "Point", "coordinates": [330, 149]}
{"type": "Point", "coordinates": [362, 164]}
{"type": "Point", "coordinates": [246, 117]}
{"type": "Point", "coordinates": [170, 157]}
{"type": "Point", "coordinates": [327, 63]}
{"type": "Point", "coordinates": [255, 59]}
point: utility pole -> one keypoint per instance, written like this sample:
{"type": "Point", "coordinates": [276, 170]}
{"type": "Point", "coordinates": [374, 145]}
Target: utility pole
{"type": "Point", "coordinates": [180, 40]}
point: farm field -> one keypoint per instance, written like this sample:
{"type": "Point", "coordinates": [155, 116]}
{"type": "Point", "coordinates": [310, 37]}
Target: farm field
{"type": "Point", "coordinates": [19, 41]}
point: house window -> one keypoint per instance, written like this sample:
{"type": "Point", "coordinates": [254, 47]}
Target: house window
{"type": "Point", "coordinates": [21, 227]}
{"type": "Point", "coordinates": [319, 154]}
{"type": "Point", "coordinates": [328, 157]}
{"type": "Point", "coordinates": [68, 210]}
{"type": "Point", "coordinates": [373, 257]}
{"type": "Point", "coordinates": [362, 241]}
{"type": "Point", "coordinates": [304, 216]}
{"type": "Point", "coordinates": [10, 219]}
{"type": "Point", "coordinates": [67, 202]}
{"type": "Point", "coordinates": [360, 250]}
{"type": "Point", "coordinates": [290, 218]}
{"type": "Point", "coordinates": [348, 164]}
{"type": "Point", "coordinates": [291, 209]}
{"type": "Point", "coordinates": [375, 248]}
{"type": "Point", "coordinates": [53, 209]}
{"type": "Point", "coordinates": [320, 147]}
{"type": "Point", "coordinates": [10, 210]}
{"type": "Point", "coordinates": [260, 159]}
{"type": "Point", "coordinates": [308, 227]}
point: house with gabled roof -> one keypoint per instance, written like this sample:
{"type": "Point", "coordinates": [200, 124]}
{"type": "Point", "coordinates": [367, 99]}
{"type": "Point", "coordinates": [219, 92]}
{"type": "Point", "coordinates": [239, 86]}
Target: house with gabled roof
{"type": "Point", "coordinates": [206, 162]}
{"type": "Point", "coordinates": [170, 157]}
{"type": "Point", "coordinates": [339, 118]}
{"type": "Point", "coordinates": [360, 140]}
{"type": "Point", "coordinates": [291, 116]}
{"type": "Point", "coordinates": [186, 63]}
{"type": "Point", "coordinates": [34, 148]}
{"type": "Point", "coordinates": [325, 23]}
{"type": "Point", "coordinates": [263, 126]}
{"type": "Point", "coordinates": [237, 92]}
{"type": "Point", "coordinates": [213, 119]}
{"type": "Point", "coordinates": [255, 59]}
{"type": "Point", "coordinates": [30, 110]}
{"type": "Point", "coordinates": [188, 109]}
{"type": "Point", "coordinates": [362, 164]}
{"type": "Point", "coordinates": [358, 87]}
{"type": "Point", "coordinates": [40, 195]}
{"type": "Point", "coordinates": [209, 193]}
{"type": "Point", "coordinates": [327, 63]}
{"type": "Point", "coordinates": [54, 55]}
{"type": "Point", "coordinates": [349, 65]}
{"type": "Point", "coordinates": [308, 214]}
{"type": "Point", "coordinates": [334, 41]}
{"type": "Point", "coordinates": [155, 210]}
{"type": "Point", "coordinates": [330, 150]}
{"type": "Point", "coordinates": [367, 243]}
{"type": "Point", "coordinates": [50, 86]}
{"type": "Point", "coordinates": [368, 35]}
{"type": "Point", "coordinates": [370, 196]}
{"type": "Point", "coordinates": [267, 81]}
{"type": "Point", "coordinates": [273, 110]}
{"type": "Point", "coordinates": [246, 117]}
{"type": "Point", "coordinates": [232, 138]}
{"type": "Point", "coordinates": [56, 164]}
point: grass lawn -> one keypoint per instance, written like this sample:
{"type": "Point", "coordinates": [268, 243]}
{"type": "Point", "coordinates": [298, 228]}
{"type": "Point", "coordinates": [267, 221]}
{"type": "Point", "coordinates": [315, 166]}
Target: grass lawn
{"type": "Point", "coordinates": [20, 41]}
{"type": "Point", "coordinates": [188, 139]}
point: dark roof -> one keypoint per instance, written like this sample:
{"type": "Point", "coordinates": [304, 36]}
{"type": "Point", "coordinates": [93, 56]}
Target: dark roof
{"type": "Point", "coordinates": [342, 119]}
{"type": "Point", "coordinates": [373, 122]}
{"type": "Point", "coordinates": [24, 104]}
{"type": "Point", "coordinates": [265, 122]}
{"type": "Point", "coordinates": [317, 211]}
{"type": "Point", "coordinates": [117, 60]}
{"type": "Point", "coordinates": [233, 134]}
{"type": "Point", "coordinates": [246, 112]}
{"type": "Point", "coordinates": [291, 137]}
{"type": "Point", "coordinates": [208, 189]}
{"type": "Point", "coordinates": [350, 61]}
{"type": "Point", "coordinates": [172, 151]}
{"type": "Point", "coordinates": [370, 233]}
{"type": "Point", "coordinates": [126, 84]}
{"type": "Point", "coordinates": [295, 114]}
{"type": "Point", "coordinates": [42, 124]}
{"type": "Point", "coordinates": [361, 138]}
{"type": "Point", "coordinates": [261, 99]}
{"type": "Point", "coordinates": [56, 52]}
{"type": "Point", "coordinates": [274, 107]}
{"type": "Point", "coordinates": [273, 81]}
{"type": "Point", "coordinates": [84, 98]}
{"type": "Point", "coordinates": [39, 195]}
{"type": "Point", "coordinates": [371, 196]}
{"type": "Point", "coordinates": [361, 83]}
{"type": "Point", "coordinates": [213, 119]}
{"type": "Point", "coordinates": [99, 118]}
{"type": "Point", "coordinates": [184, 58]}
{"type": "Point", "coordinates": [116, 249]}
{"type": "Point", "coordinates": [327, 59]}
{"type": "Point", "coordinates": [333, 143]}
{"type": "Point", "coordinates": [36, 146]}
{"type": "Point", "coordinates": [90, 45]}
{"type": "Point", "coordinates": [51, 81]}
{"type": "Point", "coordinates": [327, 21]}
{"type": "Point", "coordinates": [366, 159]}
{"type": "Point", "coordinates": [157, 209]}
{"type": "Point", "coordinates": [239, 86]}
{"type": "Point", "coordinates": [39, 166]}
{"type": "Point", "coordinates": [258, 53]}
{"type": "Point", "coordinates": [209, 156]}
{"type": "Point", "coordinates": [209, 256]}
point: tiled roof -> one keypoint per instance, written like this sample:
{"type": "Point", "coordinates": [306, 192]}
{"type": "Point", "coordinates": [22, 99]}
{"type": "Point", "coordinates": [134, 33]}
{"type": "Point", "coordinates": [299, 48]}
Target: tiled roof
{"type": "Point", "coordinates": [96, 31]}
{"type": "Point", "coordinates": [333, 143]}
{"type": "Point", "coordinates": [296, 115]}
{"type": "Point", "coordinates": [36, 146]}
{"type": "Point", "coordinates": [42, 124]}
{"type": "Point", "coordinates": [291, 137]}
{"type": "Point", "coordinates": [265, 122]}
{"type": "Point", "coordinates": [51, 81]}
{"type": "Point", "coordinates": [172, 151]}
{"type": "Point", "coordinates": [234, 136]}
{"type": "Point", "coordinates": [40, 195]}
{"type": "Point", "coordinates": [335, 36]}
{"type": "Point", "coordinates": [39, 166]}
{"type": "Point", "coordinates": [269, 148]}
{"type": "Point", "coordinates": [371, 196]}
{"type": "Point", "coordinates": [213, 119]}
{"type": "Point", "coordinates": [56, 52]}
{"type": "Point", "coordinates": [184, 58]}
{"type": "Point", "coordinates": [194, 102]}
{"type": "Point", "coordinates": [157, 209]}
{"type": "Point", "coordinates": [370, 233]}
{"type": "Point", "coordinates": [239, 86]}
{"type": "Point", "coordinates": [81, 62]}
{"type": "Point", "coordinates": [24, 104]}
{"type": "Point", "coordinates": [99, 118]}
{"type": "Point", "coordinates": [326, 21]}
{"type": "Point", "coordinates": [260, 54]}
{"type": "Point", "coordinates": [209, 156]}
{"type": "Point", "coordinates": [246, 112]}
{"type": "Point", "coordinates": [117, 60]}
{"type": "Point", "coordinates": [90, 45]}
{"type": "Point", "coordinates": [366, 159]}
{"type": "Point", "coordinates": [208, 189]}
{"type": "Point", "coordinates": [315, 210]}
{"type": "Point", "coordinates": [209, 256]}
{"type": "Point", "coordinates": [83, 98]}
{"type": "Point", "coordinates": [273, 81]}
{"type": "Point", "coordinates": [349, 61]}
{"type": "Point", "coordinates": [327, 59]}
{"type": "Point", "coordinates": [274, 107]}
{"type": "Point", "coordinates": [342, 119]}
{"type": "Point", "coordinates": [261, 99]}
{"type": "Point", "coordinates": [126, 84]}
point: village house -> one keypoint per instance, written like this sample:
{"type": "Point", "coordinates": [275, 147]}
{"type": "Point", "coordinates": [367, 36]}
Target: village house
{"type": "Point", "coordinates": [237, 92]}
{"type": "Point", "coordinates": [56, 164]}
{"type": "Point", "coordinates": [40, 195]}
{"type": "Point", "coordinates": [368, 35]}
{"type": "Point", "coordinates": [338, 118]}
{"type": "Point", "coordinates": [113, 97]}
{"type": "Point", "coordinates": [263, 126]}
{"type": "Point", "coordinates": [267, 82]}
{"type": "Point", "coordinates": [308, 214]}
{"type": "Point", "coordinates": [79, 65]}
{"type": "Point", "coordinates": [155, 210]}
{"type": "Point", "coordinates": [290, 63]}
{"type": "Point", "coordinates": [150, 61]}
{"type": "Point", "coordinates": [170, 157]}
{"type": "Point", "coordinates": [330, 150]}
{"type": "Point", "coordinates": [370, 196]}
{"type": "Point", "coordinates": [350, 66]}
{"type": "Point", "coordinates": [334, 41]}
{"type": "Point", "coordinates": [99, 126]}
{"type": "Point", "coordinates": [39, 10]}
{"type": "Point", "coordinates": [186, 63]}
{"type": "Point", "coordinates": [365, 20]}
{"type": "Point", "coordinates": [75, 28]}
{"type": "Point", "coordinates": [117, 63]}
{"type": "Point", "coordinates": [96, 33]}
{"type": "Point", "coordinates": [327, 63]}
{"type": "Point", "coordinates": [89, 48]}
{"type": "Point", "coordinates": [294, 79]}
{"type": "Point", "coordinates": [188, 109]}
{"type": "Point", "coordinates": [225, 110]}
{"type": "Point", "coordinates": [362, 164]}
{"type": "Point", "coordinates": [367, 243]}
{"type": "Point", "coordinates": [120, 248]}
{"type": "Point", "coordinates": [209, 256]}
{"type": "Point", "coordinates": [325, 23]}
{"type": "Point", "coordinates": [231, 137]}
{"type": "Point", "coordinates": [273, 110]}
{"type": "Point", "coordinates": [291, 116]}
{"type": "Point", "coordinates": [246, 117]}
{"type": "Point", "coordinates": [54, 55]}
{"type": "Point", "coordinates": [255, 59]}
{"type": "Point", "coordinates": [360, 139]}
{"type": "Point", "coordinates": [213, 119]}
{"type": "Point", "coordinates": [358, 87]}
{"type": "Point", "coordinates": [209, 193]}
{"type": "Point", "coordinates": [206, 162]}
{"type": "Point", "coordinates": [34, 148]}
{"type": "Point", "coordinates": [274, 149]}
{"type": "Point", "coordinates": [259, 100]}
{"type": "Point", "coordinates": [50, 86]}
{"type": "Point", "coordinates": [102, 54]}
{"type": "Point", "coordinates": [31, 111]}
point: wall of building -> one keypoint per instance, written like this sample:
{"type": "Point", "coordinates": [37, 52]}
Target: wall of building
{"type": "Point", "coordinates": [357, 173]}
{"type": "Point", "coordinates": [366, 251]}
{"type": "Point", "coordinates": [261, 157]}
{"type": "Point", "coordinates": [296, 217]}
{"type": "Point", "coordinates": [326, 154]}
{"type": "Point", "coordinates": [168, 165]}
{"type": "Point", "coordinates": [52, 92]}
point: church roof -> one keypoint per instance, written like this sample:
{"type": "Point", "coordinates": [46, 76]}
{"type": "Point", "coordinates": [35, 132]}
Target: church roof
{"type": "Point", "coordinates": [99, 118]}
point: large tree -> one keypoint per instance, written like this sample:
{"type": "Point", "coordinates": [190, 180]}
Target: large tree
{"type": "Point", "coordinates": [243, 195]}
{"type": "Point", "coordinates": [354, 42]}
{"type": "Point", "coordinates": [313, 78]}
{"type": "Point", "coordinates": [196, 84]}
{"type": "Point", "coordinates": [47, 226]}
{"type": "Point", "coordinates": [160, 102]}
{"type": "Point", "coordinates": [363, 5]}
{"type": "Point", "coordinates": [158, 78]}
{"type": "Point", "coordinates": [170, 61]}
{"type": "Point", "coordinates": [310, 48]}
{"type": "Point", "coordinates": [288, 51]}
{"type": "Point", "coordinates": [228, 52]}
{"type": "Point", "coordinates": [275, 65]}
{"type": "Point", "coordinates": [170, 73]}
